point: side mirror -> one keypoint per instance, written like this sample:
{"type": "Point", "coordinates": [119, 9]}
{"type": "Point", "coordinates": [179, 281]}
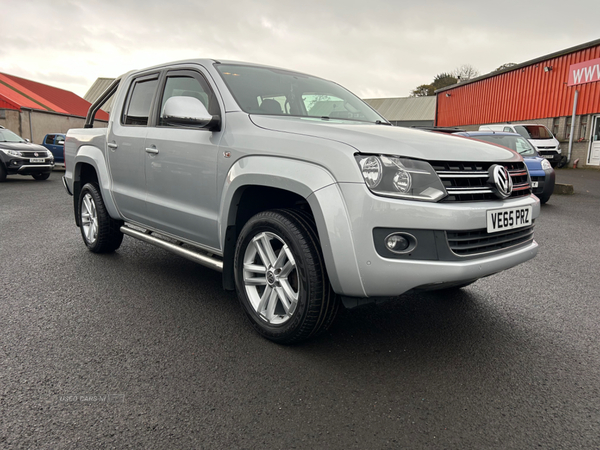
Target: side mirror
{"type": "Point", "coordinates": [61, 142]}
{"type": "Point", "coordinates": [189, 111]}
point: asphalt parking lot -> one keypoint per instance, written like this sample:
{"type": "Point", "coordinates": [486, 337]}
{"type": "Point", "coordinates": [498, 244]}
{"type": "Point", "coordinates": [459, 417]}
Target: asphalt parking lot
{"type": "Point", "coordinates": [143, 349]}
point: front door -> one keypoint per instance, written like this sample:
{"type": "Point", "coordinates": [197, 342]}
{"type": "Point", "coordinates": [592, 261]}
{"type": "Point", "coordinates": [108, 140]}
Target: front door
{"type": "Point", "coordinates": [181, 167]}
{"type": "Point", "coordinates": [594, 151]}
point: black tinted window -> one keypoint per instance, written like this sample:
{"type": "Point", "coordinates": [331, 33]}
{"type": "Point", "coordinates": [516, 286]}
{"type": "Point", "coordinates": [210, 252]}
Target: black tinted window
{"type": "Point", "coordinates": [137, 111]}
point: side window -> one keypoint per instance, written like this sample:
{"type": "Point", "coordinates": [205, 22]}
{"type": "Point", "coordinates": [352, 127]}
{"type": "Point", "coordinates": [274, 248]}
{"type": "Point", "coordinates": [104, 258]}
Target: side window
{"type": "Point", "coordinates": [49, 139]}
{"type": "Point", "coordinates": [137, 109]}
{"type": "Point", "coordinates": [179, 85]}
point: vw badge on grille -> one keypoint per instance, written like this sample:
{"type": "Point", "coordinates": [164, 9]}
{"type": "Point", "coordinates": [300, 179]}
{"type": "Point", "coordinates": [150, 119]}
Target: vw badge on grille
{"type": "Point", "coordinates": [35, 154]}
{"type": "Point", "coordinates": [500, 181]}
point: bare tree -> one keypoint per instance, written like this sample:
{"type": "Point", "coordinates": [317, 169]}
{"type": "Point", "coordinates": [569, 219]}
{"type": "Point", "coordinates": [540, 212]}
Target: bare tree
{"type": "Point", "coordinates": [465, 72]}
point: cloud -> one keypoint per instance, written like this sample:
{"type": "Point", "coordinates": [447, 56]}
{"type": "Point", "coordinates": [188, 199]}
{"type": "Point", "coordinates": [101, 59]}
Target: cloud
{"type": "Point", "coordinates": [377, 47]}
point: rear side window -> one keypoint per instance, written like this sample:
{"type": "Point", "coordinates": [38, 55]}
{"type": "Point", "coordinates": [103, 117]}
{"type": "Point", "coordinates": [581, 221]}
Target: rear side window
{"type": "Point", "coordinates": [139, 102]}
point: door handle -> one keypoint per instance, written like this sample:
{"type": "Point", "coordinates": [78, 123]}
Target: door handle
{"type": "Point", "coordinates": [152, 150]}
{"type": "Point", "coordinates": [112, 145]}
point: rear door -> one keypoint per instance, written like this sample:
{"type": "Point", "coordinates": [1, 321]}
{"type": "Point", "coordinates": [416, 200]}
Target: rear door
{"type": "Point", "coordinates": [181, 165]}
{"type": "Point", "coordinates": [126, 150]}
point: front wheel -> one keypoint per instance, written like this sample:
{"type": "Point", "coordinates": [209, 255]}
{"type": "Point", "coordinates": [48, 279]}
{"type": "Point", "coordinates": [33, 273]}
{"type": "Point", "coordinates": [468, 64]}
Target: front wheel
{"type": "Point", "coordinates": [2, 173]}
{"type": "Point", "coordinates": [280, 277]}
{"type": "Point", "coordinates": [101, 233]}
{"type": "Point", "coordinates": [41, 176]}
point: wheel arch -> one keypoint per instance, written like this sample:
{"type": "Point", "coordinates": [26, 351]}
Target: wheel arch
{"type": "Point", "coordinates": [90, 166]}
{"type": "Point", "coordinates": [260, 183]}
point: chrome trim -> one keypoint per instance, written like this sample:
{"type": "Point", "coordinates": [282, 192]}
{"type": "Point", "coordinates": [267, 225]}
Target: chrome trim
{"type": "Point", "coordinates": [468, 190]}
{"type": "Point", "coordinates": [44, 166]}
{"type": "Point", "coordinates": [205, 260]}
{"type": "Point", "coordinates": [463, 175]}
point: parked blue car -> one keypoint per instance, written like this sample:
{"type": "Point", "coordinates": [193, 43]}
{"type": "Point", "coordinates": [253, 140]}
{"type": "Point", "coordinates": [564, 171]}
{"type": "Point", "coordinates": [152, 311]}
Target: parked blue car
{"type": "Point", "coordinates": [55, 143]}
{"type": "Point", "coordinates": [541, 171]}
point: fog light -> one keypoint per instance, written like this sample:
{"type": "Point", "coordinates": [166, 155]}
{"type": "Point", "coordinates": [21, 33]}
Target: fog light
{"type": "Point", "coordinates": [396, 243]}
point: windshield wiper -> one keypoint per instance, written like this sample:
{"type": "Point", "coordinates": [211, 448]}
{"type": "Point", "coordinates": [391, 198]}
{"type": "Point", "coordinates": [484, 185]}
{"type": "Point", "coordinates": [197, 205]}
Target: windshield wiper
{"type": "Point", "coordinates": [380, 122]}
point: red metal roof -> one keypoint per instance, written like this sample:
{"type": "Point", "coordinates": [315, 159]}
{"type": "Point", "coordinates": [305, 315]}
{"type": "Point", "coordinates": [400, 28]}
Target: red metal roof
{"type": "Point", "coordinates": [534, 90]}
{"type": "Point", "coordinates": [17, 93]}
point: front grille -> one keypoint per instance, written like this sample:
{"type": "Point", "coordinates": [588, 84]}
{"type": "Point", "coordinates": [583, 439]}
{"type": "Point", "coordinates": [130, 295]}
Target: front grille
{"type": "Point", "coordinates": [32, 154]}
{"type": "Point", "coordinates": [473, 242]}
{"type": "Point", "coordinates": [548, 152]}
{"type": "Point", "coordinates": [467, 181]}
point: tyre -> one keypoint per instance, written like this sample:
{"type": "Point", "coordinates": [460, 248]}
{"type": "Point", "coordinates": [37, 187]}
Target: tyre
{"type": "Point", "coordinates": [280, 277]}
{"type": "Point", "coordinates": [543, 200]}
{"type": "Point", "coordinates": [41, 176]}
{"type": "Point", "coordinates": [101, 233]}
{"type": "Point", "coordinates": [2, 173]}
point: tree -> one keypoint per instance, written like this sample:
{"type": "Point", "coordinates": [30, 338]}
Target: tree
{"type": "Point", "coordinates": [443, 80]}
{"type": "Point", "coordinates": [505, 66]}
{"type": "Point", "coordinates": [425, 90]}
{"type": "Point", "coordinates": [439, 81]}
{"type": "Point", "coordinates": [465, 72]}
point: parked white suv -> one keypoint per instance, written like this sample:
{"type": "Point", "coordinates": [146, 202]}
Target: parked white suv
{"type": "Point", "coordinates": [540, 137]}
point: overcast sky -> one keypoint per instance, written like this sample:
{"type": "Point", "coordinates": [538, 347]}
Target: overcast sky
{"type": "Point", "coordinates": [376, 48]}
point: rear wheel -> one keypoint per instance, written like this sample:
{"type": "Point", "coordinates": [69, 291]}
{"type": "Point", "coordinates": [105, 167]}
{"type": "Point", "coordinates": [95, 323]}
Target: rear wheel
{"type": "Point", "coordinates": [101, 233]}
{"type": "Point", "coordinates": [41, 176]}
{"type": "Point", "coordinates": [280, 277]}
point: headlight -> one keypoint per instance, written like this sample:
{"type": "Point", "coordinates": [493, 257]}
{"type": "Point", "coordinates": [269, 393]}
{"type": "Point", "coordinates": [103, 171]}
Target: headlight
{"type": "Point", "coordinates": [405, 178]}
{"type": "Point", "coordinates": [12, 152]}
{"type": "Point", "coordinates": [49, 154]}
{"type": "Point", "coordinates": [558, 149]}
{"type": "Point", "coordinates": [546, 164]}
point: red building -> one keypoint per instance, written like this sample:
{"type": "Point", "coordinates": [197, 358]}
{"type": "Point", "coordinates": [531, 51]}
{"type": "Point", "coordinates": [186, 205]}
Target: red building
{"type": "Point", "coordinates": [541, 91]}
{"type": "Point", "coordinates": [33, 109]}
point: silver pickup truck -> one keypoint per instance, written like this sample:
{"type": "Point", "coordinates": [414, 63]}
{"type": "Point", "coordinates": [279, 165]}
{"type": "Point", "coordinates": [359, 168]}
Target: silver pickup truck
{"type": "Point", "coordinates": [297, 191]}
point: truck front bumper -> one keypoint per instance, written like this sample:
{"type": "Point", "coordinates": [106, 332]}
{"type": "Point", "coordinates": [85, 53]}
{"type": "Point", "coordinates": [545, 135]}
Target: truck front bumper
{"type": "Point", "coordinates": [366, 270]}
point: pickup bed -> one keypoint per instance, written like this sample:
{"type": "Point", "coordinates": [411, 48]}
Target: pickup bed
{"type": "Point", "coordinates": [298, 192]}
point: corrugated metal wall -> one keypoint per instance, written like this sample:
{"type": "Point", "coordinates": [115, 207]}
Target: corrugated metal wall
{"type": "Point", "coordinates": [527, 93]}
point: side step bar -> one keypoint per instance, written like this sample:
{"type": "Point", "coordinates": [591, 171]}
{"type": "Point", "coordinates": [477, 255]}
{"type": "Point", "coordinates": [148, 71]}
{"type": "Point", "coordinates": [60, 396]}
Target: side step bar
{"type": "Point", "coordinates": [205, 260]}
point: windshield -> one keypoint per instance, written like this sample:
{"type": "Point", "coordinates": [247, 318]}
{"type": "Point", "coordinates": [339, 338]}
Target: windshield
{"type": "Point", "coordinates": [533, 131]}
{"type": "Point", "coordinates": [9, 136]}
{"type": "Point", "coordinates": [516, 143]}
{"type": "Point", "coordinates": [262, 90]}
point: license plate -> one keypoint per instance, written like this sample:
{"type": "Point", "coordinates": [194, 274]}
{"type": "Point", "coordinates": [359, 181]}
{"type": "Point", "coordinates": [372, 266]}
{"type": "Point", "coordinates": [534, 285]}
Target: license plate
{"type": "Point", "coordinates": [508, 218]}
{"type": "Point", "coordinates": [37, 160]}
{"type": "Point", "coordinates": [534, 184]}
